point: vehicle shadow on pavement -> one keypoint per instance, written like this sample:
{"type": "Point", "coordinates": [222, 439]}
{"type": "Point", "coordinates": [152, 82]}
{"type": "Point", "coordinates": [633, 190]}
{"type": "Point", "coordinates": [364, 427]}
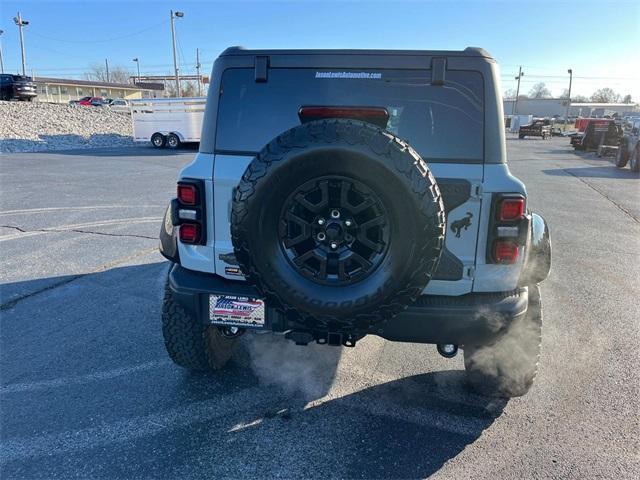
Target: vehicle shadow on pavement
{"type": "Point", "coordinates": [103, 144]}
{"type": "Point", "coordinates": [406, 428]}
{"type": "Point", "coordinates": [87, 390]}
{"type": "Point", "coordinates": [134, 149]}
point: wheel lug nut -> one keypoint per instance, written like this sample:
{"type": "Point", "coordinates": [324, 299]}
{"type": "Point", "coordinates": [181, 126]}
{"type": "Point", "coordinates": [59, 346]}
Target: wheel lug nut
{"type": "Point", "coordinates": [321, 221]}
{"type": "Point", "coordinates": [348, 223]}
{"type": "Point", "coordinates": [334, 245]}
{"type": "Point", "coordinates": [321, 236]}
{"type": "Point", "coordinates": [335, 213]}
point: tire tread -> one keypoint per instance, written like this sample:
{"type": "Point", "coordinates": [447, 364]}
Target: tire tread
{"type": "Point", "coordinates": [190, 344]}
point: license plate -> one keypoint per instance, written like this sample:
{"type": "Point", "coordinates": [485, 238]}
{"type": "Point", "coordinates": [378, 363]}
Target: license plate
{"type": "Point", "coordinates": [236, 310]}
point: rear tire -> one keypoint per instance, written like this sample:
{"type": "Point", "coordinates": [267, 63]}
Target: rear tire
{"type": "Point", "coordinates": [189, 343]}
{"type": "Point", "coordinates": [507, 367]}
{"type": "Point", "coordinates": [173, 141]}
{"type": "Point", "coordinates": [158, 140]}
{"type": "Point", "coordinates": [622, 156]}
{"type": "Point", "coordinates": [634, 161]}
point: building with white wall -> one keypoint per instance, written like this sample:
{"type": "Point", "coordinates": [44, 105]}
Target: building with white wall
{"type": "Point", "coordinates": [61, 90]}
{"type": "Point", "coordinates": [550, 107]}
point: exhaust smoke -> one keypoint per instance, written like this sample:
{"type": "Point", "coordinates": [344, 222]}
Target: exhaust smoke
{"type": "Point", "coordinates": [509, 364]}
{"type": "Point", "coordinates": [307, 370]}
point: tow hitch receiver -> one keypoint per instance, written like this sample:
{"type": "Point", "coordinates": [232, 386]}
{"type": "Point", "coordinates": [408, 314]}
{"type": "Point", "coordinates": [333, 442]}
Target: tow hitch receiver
{"type": "Point", "coordinates": [337, 339]}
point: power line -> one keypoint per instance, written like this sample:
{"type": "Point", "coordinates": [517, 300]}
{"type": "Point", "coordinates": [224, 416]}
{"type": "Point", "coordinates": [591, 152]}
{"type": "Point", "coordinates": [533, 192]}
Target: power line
{"type": "Point", "coordinates": [583, 78]}
{"type": "Point", "coordinates": [128, 35]}
{"type": "Point", "coordinates": [180, 53]}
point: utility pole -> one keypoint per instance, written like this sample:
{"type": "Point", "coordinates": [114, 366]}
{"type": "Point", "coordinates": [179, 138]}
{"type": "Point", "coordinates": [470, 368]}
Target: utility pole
{"type": "Point", "coordinates": [22, 23]}
{"type": "Point", "coordinates": [198, 69]}
{"type": "Point", "coordinates": [173, 39]}
{"type": "Point", "coordinates": [106, 64]}
{"type": "Point", "coordinates": [566, 117]}
{"type": "Point", "coordinates": [1, 60]}
{"type": "Point", "coordinates": [515, 103]}
{"type": "Point", "coordinates": [138, 64]}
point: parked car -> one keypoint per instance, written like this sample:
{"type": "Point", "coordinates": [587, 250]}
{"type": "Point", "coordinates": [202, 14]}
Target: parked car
{"type": "Point", "coordinates": [629, 148]}
{"type": "Point", "coordinates": [119, 105]}
{"type": "Point", "coordinates": [318, 204]}
{"type": "Point", "coordinates": [77, 102]}
{"type": "Point", "coordinates": [17, 87]}
{"type": "Point", "coordinates": [539, 128]}
{"type": "Point", "coordinates": [91, 101]}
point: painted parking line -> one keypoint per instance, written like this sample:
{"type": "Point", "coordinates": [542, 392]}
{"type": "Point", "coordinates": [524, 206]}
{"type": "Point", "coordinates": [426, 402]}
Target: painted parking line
{"type": "Point", "coordinates": [67, 209]}
{"type": "Point", "coordinates": [76, 226]}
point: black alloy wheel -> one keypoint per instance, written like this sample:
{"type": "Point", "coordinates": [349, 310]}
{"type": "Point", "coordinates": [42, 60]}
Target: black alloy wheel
{"type": "Point", "coordinates": [334, 230]}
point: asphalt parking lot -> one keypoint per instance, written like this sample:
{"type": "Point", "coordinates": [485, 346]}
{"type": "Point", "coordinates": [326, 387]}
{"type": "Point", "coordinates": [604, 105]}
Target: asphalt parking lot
{"type": "Point", "coordinates": [87, 390]}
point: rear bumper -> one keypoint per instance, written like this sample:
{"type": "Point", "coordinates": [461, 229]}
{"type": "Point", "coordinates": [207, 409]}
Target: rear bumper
{"type": "Point", "coordinates": [24, 92]}
{"type": "Point", "coordinates": [471, 318]}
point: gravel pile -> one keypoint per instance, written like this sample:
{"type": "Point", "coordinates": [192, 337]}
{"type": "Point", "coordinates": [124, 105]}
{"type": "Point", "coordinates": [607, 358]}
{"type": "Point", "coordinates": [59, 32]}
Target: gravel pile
{"type": "Point", "coordinates": [35, 126]}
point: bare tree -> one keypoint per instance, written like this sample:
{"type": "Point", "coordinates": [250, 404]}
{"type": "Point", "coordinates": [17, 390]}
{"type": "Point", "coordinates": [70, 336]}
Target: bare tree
{"type": "Point", "coordinates": [510, 93]}
{"type": "Point", "coordinates": [117, 74]}
{"type": "Point", "coordinates": [575, 98]}
{"type": "Point", "coordinates": [579, 99]}
{"type": "Point", "coordinates": [187, 87]}
{"type": "Point", "coordinates": [605, 95]}
{"type": "Point", "coordinates": [539, 90]}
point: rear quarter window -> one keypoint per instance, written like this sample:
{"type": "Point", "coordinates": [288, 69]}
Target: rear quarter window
{"type": "Point", "coordinates": [443, 123]}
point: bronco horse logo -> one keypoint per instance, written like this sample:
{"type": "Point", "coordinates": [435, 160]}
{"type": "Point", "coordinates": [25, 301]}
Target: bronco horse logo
{"type": "Point", "coordinates": [464, 222]}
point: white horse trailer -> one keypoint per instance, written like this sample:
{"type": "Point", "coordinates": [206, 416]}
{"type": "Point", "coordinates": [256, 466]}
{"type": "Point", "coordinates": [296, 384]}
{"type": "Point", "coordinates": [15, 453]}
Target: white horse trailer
{"type": "Point", "coordinates": [167, 121]}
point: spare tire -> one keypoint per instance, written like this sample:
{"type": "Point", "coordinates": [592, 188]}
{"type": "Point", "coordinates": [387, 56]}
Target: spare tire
{"type": "Point", "coordinates": [338, 223]}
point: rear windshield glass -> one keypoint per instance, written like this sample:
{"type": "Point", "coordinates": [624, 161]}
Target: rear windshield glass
{"type": "Point", "coordinates": [441, 122]}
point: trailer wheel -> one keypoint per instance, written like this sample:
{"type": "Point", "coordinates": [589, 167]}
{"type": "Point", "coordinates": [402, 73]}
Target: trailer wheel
{"type": "Point", "coordinates": [158, 140]}
{"type": "Point", "coordinates": [173, 141]}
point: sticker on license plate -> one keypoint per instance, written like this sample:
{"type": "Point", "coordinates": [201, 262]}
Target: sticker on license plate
{"type": "Point", "coordinates": [236, 310]}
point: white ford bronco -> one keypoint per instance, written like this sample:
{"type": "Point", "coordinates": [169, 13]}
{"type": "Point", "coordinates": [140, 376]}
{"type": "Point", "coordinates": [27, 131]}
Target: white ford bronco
{"type": "Point", "coordinates": [344, 193]}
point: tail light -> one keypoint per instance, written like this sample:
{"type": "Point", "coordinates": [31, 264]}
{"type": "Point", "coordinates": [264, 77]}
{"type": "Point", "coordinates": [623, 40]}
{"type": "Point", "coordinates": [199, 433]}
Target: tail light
{"type": "Point", "coordinates": [189, 233]}
{"type": "Point", "coordinates": [505, 251]}
{"type": "Point", "coordinates": [511, 209]}
{"type": "Point", "coordinates": [187, 193]}
{"type": "Point", "coordinates": [377, 115]}
{"type": "Point", "coordinates": [508, 230]}
{"type": "Point", "coordinates": [191, 217]}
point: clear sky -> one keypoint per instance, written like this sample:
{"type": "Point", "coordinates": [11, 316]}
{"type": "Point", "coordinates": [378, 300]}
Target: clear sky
{"type": "Point", "coordinates": [599, 40]}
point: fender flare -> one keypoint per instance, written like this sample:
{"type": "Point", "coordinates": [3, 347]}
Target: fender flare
{"type": "Point", "coordinates": [168, 241]}
{"type": "Point", "coordinates": [538, 262]}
